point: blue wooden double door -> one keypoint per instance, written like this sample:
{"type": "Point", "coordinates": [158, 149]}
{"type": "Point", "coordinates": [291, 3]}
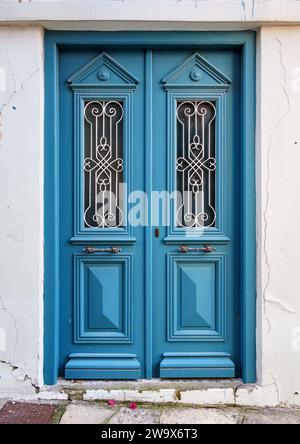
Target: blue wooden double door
{"type": "Point", "coordinates": [149, 213]}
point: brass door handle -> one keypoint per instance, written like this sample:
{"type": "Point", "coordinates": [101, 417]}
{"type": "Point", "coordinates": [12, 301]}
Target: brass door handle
{"type": "Point", "coordinates": [205, 249]}
{"type": "Point", "coordinates": [91, 250]}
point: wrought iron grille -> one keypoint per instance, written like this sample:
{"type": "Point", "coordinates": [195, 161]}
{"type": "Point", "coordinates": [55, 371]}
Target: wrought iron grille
{"type": "Point", "coordinates": [103, 163]}
{"type": "Point", "coordinates": [195, 163]}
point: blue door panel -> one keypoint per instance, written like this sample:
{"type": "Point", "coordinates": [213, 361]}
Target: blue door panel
{"type": "Point", "coordinates": [196, 310]}
{"type": "Point", "coordinates": [102, 299]}
{"type": "Point", "coordinates": [103, 366]}
{"type": "Point", "coordinates": [197, 365]}
{"type": "Point", "coordinates": [202, 306]}
{"type": "Point", "coordinates": [195, 295]}
{"type": "Point", "coordinates": [101, 308]}
{"type": "Point", "coordinates": [197, 307]}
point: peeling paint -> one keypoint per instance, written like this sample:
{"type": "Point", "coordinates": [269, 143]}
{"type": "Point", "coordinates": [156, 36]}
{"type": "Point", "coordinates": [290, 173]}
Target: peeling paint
{"type": "Point", "coordinates": [18, 374]}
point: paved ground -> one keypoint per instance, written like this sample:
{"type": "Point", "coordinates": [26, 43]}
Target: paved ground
{"type": "Point", "coordinates": [103, 413]}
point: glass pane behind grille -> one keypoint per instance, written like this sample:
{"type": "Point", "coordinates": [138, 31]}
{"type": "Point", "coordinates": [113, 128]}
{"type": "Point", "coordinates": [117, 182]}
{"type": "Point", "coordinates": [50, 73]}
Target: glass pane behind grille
{"type": "Point", "coordinates": [103, 163]}
{"type": "Point", "coordinates": [195, 163]}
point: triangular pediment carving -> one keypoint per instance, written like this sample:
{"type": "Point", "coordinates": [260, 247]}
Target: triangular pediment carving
{"type": "Point", "coordinates": [103, 71]}
{"type": "Point", "coordinates": [196, 71]}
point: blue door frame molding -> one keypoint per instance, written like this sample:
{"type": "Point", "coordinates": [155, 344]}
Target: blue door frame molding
{"type": "Point", "coordinates": [242, 41]}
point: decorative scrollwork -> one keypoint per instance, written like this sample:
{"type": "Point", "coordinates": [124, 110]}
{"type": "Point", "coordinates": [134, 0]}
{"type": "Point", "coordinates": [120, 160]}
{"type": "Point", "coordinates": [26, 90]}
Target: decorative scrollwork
{"type": "Point", "coordinates": [103, 163]}
{"type": "Point", "coordinates": [196, 164]}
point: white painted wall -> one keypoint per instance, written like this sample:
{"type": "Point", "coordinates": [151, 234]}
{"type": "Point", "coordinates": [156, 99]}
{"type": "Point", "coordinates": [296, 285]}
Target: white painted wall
{"type": "Point", "coordinates": [83, 13]}
{"type": "Point", "coordinates": [21, 206]}
{"type": "Point", "coordinates": [278, 188]}
{"type": "Point", "coordinates": [278, 192]}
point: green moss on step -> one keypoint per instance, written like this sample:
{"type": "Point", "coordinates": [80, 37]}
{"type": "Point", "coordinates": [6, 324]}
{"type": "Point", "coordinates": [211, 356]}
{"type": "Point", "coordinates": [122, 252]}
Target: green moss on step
{"type": "Point", "coordinates": [57, 415]}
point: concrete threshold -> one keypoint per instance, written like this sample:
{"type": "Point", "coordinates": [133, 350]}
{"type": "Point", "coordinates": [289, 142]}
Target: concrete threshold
{"type": "Point", "coordinates": [200, 392]}
{"type": "Point", "coordinates": [197, 392]}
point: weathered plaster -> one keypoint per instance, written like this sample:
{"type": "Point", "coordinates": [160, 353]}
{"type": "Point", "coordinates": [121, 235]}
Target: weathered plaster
{"type": "Point", "coordinates": [21, 207]}
{"type": "Point", "coordinates": [278, 186]}
{"type": "Point", "coordinates": [145, 14]}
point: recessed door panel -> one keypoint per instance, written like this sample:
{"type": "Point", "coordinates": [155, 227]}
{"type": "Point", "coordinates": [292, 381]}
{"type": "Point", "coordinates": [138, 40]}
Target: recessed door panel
{"type": "Point", "coordinates": [196, 297]}
{"type": "Point", "coordinates": [102, 299]}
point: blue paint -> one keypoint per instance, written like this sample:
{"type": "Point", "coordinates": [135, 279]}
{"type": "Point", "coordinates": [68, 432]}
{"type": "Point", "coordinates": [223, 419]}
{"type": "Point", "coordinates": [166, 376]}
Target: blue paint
{"type": "Point", "coordinates": [149, 228]}
{"type": "Point", "coordinates": [223, 87]}
{"type": "Point", "coordinates": [248, 212]}
{"type": "Point", "coordinates": [102, 304]}
{"type": "Point", "coordinates": [51, 220]}
{"type": "Point", "coordinates": [231, 59]}
{"type": "Point", "coordinates": [215, 234]}
{"type": "Point", "coordinates": [120, 84]}
{"type": "Point", "coordinates": [117, 291]}
{"type": "Point", "coordinates": [103, 366]}
{"type": "Point", "coordinates": [196, 298]}
{"type": "Point", "coordinates": [197, 365]}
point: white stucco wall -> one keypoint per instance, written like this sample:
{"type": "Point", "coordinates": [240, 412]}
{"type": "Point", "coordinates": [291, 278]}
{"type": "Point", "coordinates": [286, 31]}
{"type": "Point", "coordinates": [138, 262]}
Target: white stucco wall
{"type": "Point", "coordinates": [21, 206]}
{"type": "Point", "coordinates": [278, 191]}
{"type": "Point", "coordinates": [86, 14]}
{"type": "Point", "coordinates": [278, 186]}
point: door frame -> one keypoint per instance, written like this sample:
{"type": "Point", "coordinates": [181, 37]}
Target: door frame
{"type": "Point", "coordinates": [241, 40]}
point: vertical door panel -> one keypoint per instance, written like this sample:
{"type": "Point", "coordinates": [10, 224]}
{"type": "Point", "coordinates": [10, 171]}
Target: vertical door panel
{"type": "Point", "coordinates": [196, 151]}
{"type": "Point", "coordinates": [101, 136]}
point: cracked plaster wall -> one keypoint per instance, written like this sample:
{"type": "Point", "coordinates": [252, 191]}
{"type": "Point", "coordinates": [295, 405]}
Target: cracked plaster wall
{"type": "Point", "coordinates": [21, 208]}
{"type": "Point", "coordinates": [278, 211]}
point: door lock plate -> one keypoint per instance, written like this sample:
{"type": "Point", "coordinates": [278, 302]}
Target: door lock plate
{"type": "Point", "coordinates": [90, 250]}
{"type": "Point", "coordinates": [205, 249]}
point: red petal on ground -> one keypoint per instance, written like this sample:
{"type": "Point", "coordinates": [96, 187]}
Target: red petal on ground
{"type": "Point", "coordinates": [111, 402]}
{"type": "Point", "coordinates": [132, 406]}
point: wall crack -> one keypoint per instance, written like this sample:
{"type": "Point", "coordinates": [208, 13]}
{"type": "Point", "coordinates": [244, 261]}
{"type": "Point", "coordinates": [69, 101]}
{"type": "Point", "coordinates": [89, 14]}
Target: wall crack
{"type": "Point", "coordinates": [16, 89]}
{"type": "Point", "coordinates": [25, 376]}
{"type": "Point", "coordinates": [282, 306]}
{"type": "Point", "coordinates": [267, 184]}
